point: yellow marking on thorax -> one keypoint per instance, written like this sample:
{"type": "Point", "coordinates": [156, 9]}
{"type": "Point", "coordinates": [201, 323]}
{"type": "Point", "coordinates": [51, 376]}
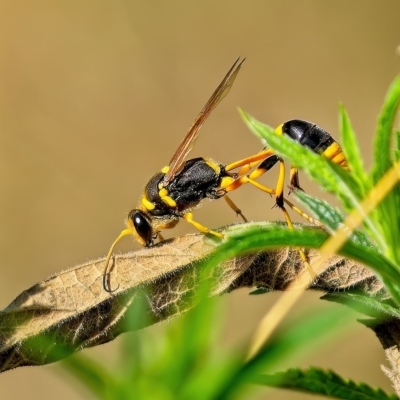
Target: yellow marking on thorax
{"type": "Point", "coordinates": [165, 169]}
{"type": "Point", "coordinates": [163, 192]}
{"type": "Point", "coordinates": [214, 166]}
{"type": "Point", "coordinates": [148, 205]}
{"type": "Point", "coordinates": [169, 201]}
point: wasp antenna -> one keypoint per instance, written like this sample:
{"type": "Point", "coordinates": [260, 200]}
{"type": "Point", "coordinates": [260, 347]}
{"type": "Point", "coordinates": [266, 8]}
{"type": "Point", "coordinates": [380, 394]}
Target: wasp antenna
{"type": "Point", "coordinates": [125, 232]}
{"type": "Point", "coordinates": [105, 284]}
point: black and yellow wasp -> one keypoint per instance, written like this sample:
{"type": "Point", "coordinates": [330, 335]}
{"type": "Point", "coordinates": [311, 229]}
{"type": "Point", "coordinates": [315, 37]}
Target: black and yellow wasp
{"type": "Point", "coordinates": [177, 189]}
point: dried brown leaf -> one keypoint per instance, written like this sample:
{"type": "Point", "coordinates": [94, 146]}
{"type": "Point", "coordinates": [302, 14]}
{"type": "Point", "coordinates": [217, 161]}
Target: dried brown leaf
{"type": "Point", "coordinates": [70, 310]}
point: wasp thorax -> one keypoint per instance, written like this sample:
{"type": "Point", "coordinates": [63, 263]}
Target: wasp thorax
{"type": "Point", "coordinates": [142, 225]}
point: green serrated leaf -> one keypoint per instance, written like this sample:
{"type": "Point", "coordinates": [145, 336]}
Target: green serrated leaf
{"type": "Point", "coordinates": [318, 381]}
{"type": "Point", "coordinates": [303, 335]}
{"type": "Point", "coordinates": [382, 147]}
{"type": "Point", "coordinates": [330, 216]}
{"type": "Point", "coordinates": [386, 151]}
{"type": "Point", "coordinates": [351, 150]}
{"type": "Point", "coordinates": [388, 212]}
{"type": "Point", "coordinates": [370, 306]}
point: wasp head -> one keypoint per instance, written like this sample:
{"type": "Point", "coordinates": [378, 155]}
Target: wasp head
{"type": "Point", "coordinates": [140, 223]}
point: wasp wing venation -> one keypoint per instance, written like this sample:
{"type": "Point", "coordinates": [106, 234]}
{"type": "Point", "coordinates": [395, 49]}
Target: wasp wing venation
{"type": "Point", "coordinates": [177, 160]}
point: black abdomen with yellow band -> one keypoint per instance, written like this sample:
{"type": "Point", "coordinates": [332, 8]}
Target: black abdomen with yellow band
{"type": "Point", "coordinates": [313, 137]}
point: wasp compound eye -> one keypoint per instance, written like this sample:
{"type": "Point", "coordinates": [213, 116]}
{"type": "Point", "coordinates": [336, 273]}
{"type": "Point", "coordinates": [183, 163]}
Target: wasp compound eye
{"type": "Point", "coordinates": [142, 226]}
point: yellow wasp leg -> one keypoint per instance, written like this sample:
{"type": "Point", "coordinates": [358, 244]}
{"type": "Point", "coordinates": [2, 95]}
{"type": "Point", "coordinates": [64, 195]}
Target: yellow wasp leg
{"type": "Point", "coordinates": [294, 179]}
{"type": "Point", "coordinates": [245, 179]}
{"type": "Point", "coordinates": [301, 251]}
{"type": "Point", "coordinates": [280, 184]}
{"type": "Point", "coordinates": [189, 218]}
{"type": "Point", "coordinates": [125, 232]}
{"type": "Point", "coordinates": [160, 237]}
{"type": "Point", "coordinates": [280, 204]}
{"type": "Point", "coordinates": [260, 171]}
{"type": "Point", "coordinates": [303, 214]}
{"type": "Point", "coordinates": [167, 225]}
{"type": "Point", "coordinates": [280, 201]}
{"type": "Point", "coordinates": [247, 167]}
{"type": "Point", "coordinates": [234, 207]}
{"type": "Point", "coordinates": [263, 154]}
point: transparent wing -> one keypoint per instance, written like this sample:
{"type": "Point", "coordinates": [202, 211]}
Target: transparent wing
{"type": "Point", "coordinates": [177, 160]}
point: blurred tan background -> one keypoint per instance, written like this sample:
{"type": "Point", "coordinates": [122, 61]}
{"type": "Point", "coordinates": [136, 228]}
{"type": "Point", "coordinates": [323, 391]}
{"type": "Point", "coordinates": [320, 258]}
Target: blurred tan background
{"type": "Point", "coordinates": [96, 96]}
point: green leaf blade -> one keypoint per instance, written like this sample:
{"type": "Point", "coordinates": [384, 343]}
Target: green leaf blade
{"type": "Point", "coordinates": [318, 381]}
{"type": "Point", "coordinates": [351, 150]}
{"type": "Point", "coordinates": [304, 335]}
{"type": "Point", "coordinates": [330, 216]}
{"type": "Point", "coordinates": [383, 158]}
{"type": "Point", "coordinates": [388, 212]}
{"type": "Point", "coordinates": [373, 307]}
{"type": "Point", "coordinates": [262, 236]}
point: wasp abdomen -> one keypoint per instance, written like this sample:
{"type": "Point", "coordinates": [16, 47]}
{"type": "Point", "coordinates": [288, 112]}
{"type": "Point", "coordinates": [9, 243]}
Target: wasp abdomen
{"type": "Point", "coordinates": [308, 134]}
